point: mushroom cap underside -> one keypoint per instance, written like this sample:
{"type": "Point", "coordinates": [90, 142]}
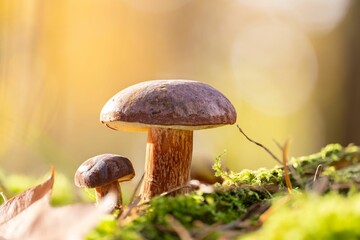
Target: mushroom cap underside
{"type": "Point", "coordinates": [179, 104]}
{"type": "Point", "coordinates": [103, 169]}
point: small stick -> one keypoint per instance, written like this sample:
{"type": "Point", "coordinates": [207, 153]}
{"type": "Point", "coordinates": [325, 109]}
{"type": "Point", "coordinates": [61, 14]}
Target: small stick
{"type": "Point", "coordinates": [318, 172]}
{"type": "Point", "coordinates": [286, 170]}
{"type": "Point", "coordinates": [3, 196]}
{"type": "Point", "coordinates": [179, 228]}
{"type": "Point", "coordinates": [133, 204]}
{"type": "Point", "coordinates": [292, 170]}
{"type": "Point", "coordinates": [175, 189]}
{"type": "Point", "coordinates": [257, 208]}
{"type": "Point", "coordinates": [278, 145]}
{"type": "Point", "coordinates": [137, 188]}
{"type": "Point", "coordinates": [259, 144]}
{"type": "Point", "coordinates": [4, 189]}
{"type": "Point", "coordinates": [167, 193]}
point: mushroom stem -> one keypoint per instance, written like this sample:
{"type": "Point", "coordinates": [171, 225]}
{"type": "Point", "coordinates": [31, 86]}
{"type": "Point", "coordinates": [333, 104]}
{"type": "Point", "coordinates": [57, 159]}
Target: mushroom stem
{"type": "Point", "coordinates": [101, 192]}
{"type": "Point", "coordinates": [168, 161]}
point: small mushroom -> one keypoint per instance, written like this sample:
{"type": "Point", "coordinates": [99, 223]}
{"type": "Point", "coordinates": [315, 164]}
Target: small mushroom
{"type": "Point", "coordinates": [104, 172]}
{"type": "Point", "coordinates": [169, 110]}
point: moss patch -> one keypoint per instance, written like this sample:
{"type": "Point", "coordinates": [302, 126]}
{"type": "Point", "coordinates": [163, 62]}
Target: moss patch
{"type": "Point", "coordinates": [234, 207]}
{"type": "Point", "coordinates": [309, 216]}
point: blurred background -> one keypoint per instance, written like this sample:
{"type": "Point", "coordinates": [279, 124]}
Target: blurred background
{"type": "Point", "coordinates": [291, 69]}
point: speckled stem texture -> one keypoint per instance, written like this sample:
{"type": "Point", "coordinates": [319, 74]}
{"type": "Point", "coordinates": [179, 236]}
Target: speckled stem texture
{"type": "Point", "coordinates": [168, 161]}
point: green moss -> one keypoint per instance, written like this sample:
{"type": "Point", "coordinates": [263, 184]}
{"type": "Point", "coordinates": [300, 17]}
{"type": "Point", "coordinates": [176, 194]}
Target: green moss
{"type": "Point", "coordinates": [337, 162]}
{"type": "Point", "coordinates": [246, 176]}
{"type": "Point", "coordinates": [346, 177]}
{"type": "Point", "coordinates": [309, 216]}
{"type": "Point", "coordinates": [221, 206]}
{"type": "Point", "coordinates": [330, 155]}
{"type": "Point", "coordinates": [240, 190]}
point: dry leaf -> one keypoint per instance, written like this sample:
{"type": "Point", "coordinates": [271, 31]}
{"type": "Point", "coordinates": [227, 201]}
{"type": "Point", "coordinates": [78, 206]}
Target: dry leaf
{"type": "Point", "coordinates": [41, 221]}
{"type": "Point", "coordinates": [30, 216]}
{"type": "Point", "coordinates": [17, 204]}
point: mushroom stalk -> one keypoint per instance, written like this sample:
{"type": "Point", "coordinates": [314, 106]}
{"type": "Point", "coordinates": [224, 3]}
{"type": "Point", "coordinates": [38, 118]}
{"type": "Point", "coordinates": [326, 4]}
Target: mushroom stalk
{"type": "Point", "coordinates": [168, 161]}
{"type": "Point", "coordinates": [101, 192]}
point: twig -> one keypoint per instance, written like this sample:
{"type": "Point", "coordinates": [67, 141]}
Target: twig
{"type": "Point", "coordinates": [292, 170]}
{"type": "Point", "coordinates": [286, 171]}
{"type": "Point", "coordinates": [175, 189]}
{"type": "Point", "coordinates": [3, 197]}
{"type": "Point", "coordinates": [294, 174]}
{"type": "Point", "coordinates": [137, 188]}
{"type": "Point", "coordinates": [278, 144]}
{"type": "Point", "coordinates": [204, 229]}
{"type": "Point", "coordinates": [4, 189]}
{"type": "Point", "coordinates": [167, 193]}
{"type": "Point", "coordinates": [178, 228]}
{"type": "Point", "coordinates": [318, 172]}
{"type": "Point", "coordinates": [133, 204]}
{"type": "Point", "coordinates": [321, 185]}
{"type": "Point", "coordinates": [257, 208]}
{"type": "Point", "coordinates": [260, 145]}
{"type": "Point", "coordinates": [290, 167]}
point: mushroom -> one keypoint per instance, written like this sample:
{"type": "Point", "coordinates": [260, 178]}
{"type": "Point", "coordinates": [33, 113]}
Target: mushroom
{"type": "Point", "coordinates": [104, 172]}
{"type": "Point", "coordinates": [169, 110]}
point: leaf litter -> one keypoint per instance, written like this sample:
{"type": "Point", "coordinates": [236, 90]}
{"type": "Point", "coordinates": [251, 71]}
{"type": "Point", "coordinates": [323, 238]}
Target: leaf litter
{"type": "Point", "coordinates": [29, 215]}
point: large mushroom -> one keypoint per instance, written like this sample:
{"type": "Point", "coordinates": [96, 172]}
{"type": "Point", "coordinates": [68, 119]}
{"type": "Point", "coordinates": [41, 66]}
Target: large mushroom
{"type": "Point", "coordinates": [169, 110]}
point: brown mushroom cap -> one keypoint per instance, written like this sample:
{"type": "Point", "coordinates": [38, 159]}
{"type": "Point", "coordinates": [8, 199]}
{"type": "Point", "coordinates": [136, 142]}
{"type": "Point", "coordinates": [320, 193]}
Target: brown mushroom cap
{"type": "Point", "coordinates": [178, 104]}
{"type": "Point", "coordinates": [103, 169]}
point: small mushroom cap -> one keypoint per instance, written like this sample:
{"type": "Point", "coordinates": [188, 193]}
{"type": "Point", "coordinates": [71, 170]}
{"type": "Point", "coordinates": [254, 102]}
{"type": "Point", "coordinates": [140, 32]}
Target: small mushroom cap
{"type": "Point", "coordinates": [178, 104]}
{"type": "Point", "coordinates": [103, 169]}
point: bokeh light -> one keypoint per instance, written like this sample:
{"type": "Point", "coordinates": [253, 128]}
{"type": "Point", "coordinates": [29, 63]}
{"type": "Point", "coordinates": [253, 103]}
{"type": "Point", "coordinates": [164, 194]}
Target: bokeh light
{"type": "Point", "coordinates": [156, 6]}
{"type": "Point", "coordinates": [315, 15]}
{"type": "Point", "coordinates": [275, 67]}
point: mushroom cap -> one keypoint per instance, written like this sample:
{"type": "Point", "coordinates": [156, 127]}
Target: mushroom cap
{"type": "Point", "coordinates": [177, 104]}
{"type": "Point", "coordinates": [103, 169]}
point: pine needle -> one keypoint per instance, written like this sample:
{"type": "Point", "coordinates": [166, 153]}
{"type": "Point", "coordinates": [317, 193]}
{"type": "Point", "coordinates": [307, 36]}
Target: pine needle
{"type": "Point", "coordinates": [286, 170]}
{"type": "Point", "coordinates": [178, 228]}
{"type": "Point", "coordinates": [260, 145]}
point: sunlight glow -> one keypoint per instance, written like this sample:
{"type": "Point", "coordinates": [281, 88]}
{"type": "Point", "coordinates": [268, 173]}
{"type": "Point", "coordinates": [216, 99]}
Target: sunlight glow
{"type": "Point", "coordinates": [156, 6]}
{"type": "Point", "coordinates": [275, 67]}
{"type": "Point", "coordinates": [318, 15]}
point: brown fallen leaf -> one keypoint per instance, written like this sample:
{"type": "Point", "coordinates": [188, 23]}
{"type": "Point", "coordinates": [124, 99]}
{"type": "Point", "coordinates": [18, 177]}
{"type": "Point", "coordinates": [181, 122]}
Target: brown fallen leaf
{"type": "Point", "coordinates": [30, 216]}
{"type": "Point", "coordinates": [17, 204]}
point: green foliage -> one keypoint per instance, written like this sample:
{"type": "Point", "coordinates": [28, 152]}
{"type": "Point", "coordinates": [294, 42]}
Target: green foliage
{"type": "Point", "coordinates": [106, 230]}
{"type": "Point", "coordinates": [328, 156]}
{"type": "Point", "coordinates": [253, 177]}
{"type": "Point", "coordinates": [333, 158]}
{"type": "Point", "coordinates": [338, 164]}
{"type": "Point", "coordinates": [307, 217]}
{"type": "Point", "coordinates": [221, 206]}
{"type": "Point", "coordinates": [16, 183]}
{"type": "Point", "coordinates": [301, 218]}
{"type": "Point", "coordinates": [13, 184]}
{"type": "Point", "coordinates": [348, 174]}
{"type": "Point", "coordinates": [63, 191]}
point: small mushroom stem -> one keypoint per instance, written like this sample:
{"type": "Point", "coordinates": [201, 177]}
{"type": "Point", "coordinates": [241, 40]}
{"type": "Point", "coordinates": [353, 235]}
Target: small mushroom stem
{"type": "Point", "coordinates": [101, 192]}
{"type": "Point", "coordinates": [168, 161]}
